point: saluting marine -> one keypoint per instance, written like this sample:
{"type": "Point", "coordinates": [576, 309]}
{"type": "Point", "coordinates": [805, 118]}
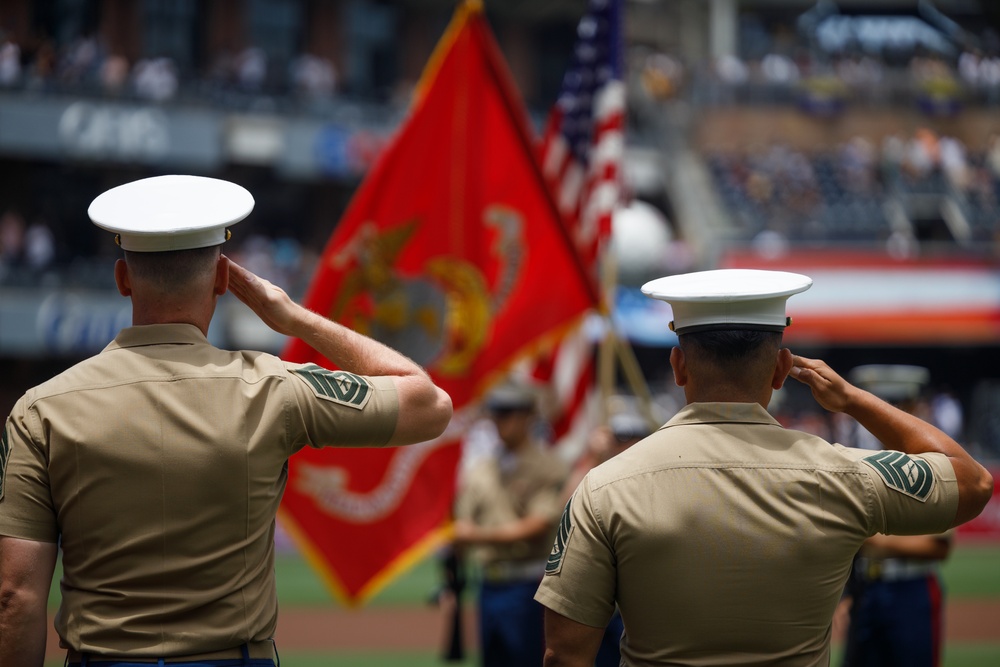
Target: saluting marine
{"type": "Point", "coordinates": [724, 538]}
{"type": "Point", "coordinates": [158, 464]}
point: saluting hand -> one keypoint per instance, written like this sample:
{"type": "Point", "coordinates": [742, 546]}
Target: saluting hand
{"type": "Point", "coordinates": [271, 303]}
{"type": "Point", "coordinates": [830, 390]}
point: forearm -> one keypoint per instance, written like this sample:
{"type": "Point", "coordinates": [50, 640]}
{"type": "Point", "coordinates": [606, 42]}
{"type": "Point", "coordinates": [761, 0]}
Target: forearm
{"type": "Point", "coordinates": [349, 350]}
{"type": "Point", "coordinates": [467, 532]}
{"type": "Point", "coordinates": [904, 432]}
{"type": "Point", "coordinates": [23, 630]}
{"type": "Point", "coordinates": [25, 576]}
{"type": "Point", "coordinates": [899, 430]}
{"type": "Point", "coordinates": [925, 547]}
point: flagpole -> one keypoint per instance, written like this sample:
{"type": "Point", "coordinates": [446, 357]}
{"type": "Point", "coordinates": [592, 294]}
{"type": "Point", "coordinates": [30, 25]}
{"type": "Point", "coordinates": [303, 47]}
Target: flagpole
{"type": "Point", "coordinates": [606, 351]}
{"type": "Point", "coordinates": [613, 348]}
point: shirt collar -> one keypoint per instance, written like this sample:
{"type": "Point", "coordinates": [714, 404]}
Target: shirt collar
{"type": "Point", "coordinates": [158, 334]}
{"type": "Point", "coordinates": [706, 413]}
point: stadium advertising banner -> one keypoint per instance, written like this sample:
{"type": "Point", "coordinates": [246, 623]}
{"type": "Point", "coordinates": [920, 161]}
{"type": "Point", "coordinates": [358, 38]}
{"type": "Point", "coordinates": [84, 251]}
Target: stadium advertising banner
{"type": "Point", "coordinates": [863, 298]}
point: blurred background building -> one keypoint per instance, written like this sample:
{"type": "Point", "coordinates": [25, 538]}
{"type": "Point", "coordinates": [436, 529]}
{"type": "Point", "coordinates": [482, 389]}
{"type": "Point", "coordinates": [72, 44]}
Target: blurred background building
{"type": "Point", "coordinates": [856, 141]}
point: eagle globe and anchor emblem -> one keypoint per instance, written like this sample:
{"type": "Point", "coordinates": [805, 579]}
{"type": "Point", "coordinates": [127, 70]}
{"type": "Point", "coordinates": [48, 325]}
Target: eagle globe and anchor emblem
{"type": "Point", "coordinates": [440, 317]}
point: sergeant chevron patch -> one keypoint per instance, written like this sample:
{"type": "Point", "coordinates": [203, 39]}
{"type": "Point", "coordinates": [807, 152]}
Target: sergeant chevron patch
{"type": "Point", "coordinates": [554, 564]}
{"type": "Point", "coordinates": [337, 386]}
{"type": "Point", "coordinates": [912, 477]}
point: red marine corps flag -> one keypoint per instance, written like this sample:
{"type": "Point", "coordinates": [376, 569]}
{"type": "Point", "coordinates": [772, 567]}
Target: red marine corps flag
{"type": "Point", "coordinates": [451, 252]}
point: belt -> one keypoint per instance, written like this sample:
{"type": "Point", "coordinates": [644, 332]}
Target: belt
{"type": "Point", "coordinates": [508, 572]}
{"type": "Point", "coordinates": [895, 569]}
{"type": "Point", "coordinates": [256, 650]}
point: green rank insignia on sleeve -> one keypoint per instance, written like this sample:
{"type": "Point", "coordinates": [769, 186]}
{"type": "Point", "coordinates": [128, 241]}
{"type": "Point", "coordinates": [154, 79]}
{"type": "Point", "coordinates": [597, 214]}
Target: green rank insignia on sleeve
{"type": "Point", "coordinates": [337, 386]}
{"type": "Point", "coordinates": [909, 476]}
{"type": "Point", "coordinates": [554, 564]}
{"type": "Point", "coordinates": [4, 455]}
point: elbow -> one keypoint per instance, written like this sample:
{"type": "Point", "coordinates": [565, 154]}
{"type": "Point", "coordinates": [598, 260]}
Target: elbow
{"type": "Point", "coordinates": [16, 603]}
{"type": "Point", "coordinates": [985, 489]}
{"type": "Point", "coordinates": [434, 411]}
{"type": "Point", "coordinates": [441, 411]}
{"type": "Point", "coordinates": [974, 497]}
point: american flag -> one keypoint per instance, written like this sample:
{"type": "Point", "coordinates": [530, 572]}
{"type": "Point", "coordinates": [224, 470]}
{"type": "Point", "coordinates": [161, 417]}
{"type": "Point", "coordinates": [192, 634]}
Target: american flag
{"type": "Point", "coordinates": [584, 142]}
{"type": "Point", "coordinates": [581, 154]}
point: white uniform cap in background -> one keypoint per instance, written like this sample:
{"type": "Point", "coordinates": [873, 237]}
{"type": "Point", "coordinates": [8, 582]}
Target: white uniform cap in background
{"type": "Point", "coordinates": [171, 212]}
{"type": "Point", "coordinates": [891, 382]}
{"type": "Point", "coordinates": [511, 396]}
{"type": "Point", "coordinates": [628, 426]}
{"type": "Point", "coordinates": [728, 298]}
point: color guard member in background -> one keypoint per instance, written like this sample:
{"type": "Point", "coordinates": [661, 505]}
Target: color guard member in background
{"type": "Point", "coordinates": [895, 599]}
{"type": "Point", "coordinates": [506, 513]}
{"type": "Point", "coordinates": [158, 464]}
{"type": "Point", "coordinates": [724, 538]}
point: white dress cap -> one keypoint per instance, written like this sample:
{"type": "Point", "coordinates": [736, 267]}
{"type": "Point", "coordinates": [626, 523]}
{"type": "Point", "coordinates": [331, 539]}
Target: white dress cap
{"type": "Point", "coordinates": [171, 212]}
{"type": "Point", "coordinates": [891, 382]}
{"type": "Point", "coordinates": [728, 298]}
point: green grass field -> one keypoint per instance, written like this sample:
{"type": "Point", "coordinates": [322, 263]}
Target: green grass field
{"type": "Point", "coordinates": [973, 572]}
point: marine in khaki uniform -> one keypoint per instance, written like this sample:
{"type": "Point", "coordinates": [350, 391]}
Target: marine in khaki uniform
{"type": "Point", "coordinates": [895, 600]}
{"type": "Point", "coordinates": [506, 513]}
{"type": "Point", "coordinates": [157, 465]}
{"type": "Point", "coordinates": [724, 538]}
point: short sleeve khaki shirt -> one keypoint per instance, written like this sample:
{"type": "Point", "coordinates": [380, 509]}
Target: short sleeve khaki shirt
{"type": "Point", "coordinates": [727, 539]}
{"type": "Point", "coordinates": [159, 465]}
{"type": "Point", "coordinates": [497, 491]}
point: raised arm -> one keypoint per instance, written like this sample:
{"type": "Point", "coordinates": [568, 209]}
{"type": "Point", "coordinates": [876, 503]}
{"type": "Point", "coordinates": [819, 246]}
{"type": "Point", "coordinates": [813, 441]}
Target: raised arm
{"type": "Point", "coordinates": [25, 576]}
{"type": "Point", "coordinates": [898, 430]}
{"type": "Point", "coordinates": [424, 408]}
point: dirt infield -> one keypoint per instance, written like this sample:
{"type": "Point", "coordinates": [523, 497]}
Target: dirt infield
{"type": "Point", "coordinates": [422, 629]}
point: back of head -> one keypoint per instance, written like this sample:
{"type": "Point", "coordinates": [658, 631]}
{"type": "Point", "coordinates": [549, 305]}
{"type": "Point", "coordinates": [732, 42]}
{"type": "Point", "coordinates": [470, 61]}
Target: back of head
{"type": "Point", "coordinates": [740, 357]}
{"type": "Point", "coordinates": [173, 274]}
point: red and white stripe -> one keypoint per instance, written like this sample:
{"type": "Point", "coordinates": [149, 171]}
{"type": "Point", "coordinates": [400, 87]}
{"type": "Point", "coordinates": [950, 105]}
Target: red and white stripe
{"type": "Point", "coordinates": [586, 196]}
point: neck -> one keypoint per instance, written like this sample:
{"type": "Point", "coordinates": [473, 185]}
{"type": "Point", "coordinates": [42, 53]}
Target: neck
{"type": "Point", "coordinates": [727, 394]}
{"type": "Point", "coordinates": [166, 314]}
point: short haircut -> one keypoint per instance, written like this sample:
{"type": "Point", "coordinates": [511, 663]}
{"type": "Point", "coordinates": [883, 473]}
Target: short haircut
{"type": "Point", "coordinates": [173, 271]}
{"type": "Point", "coordinates": [740, 354]}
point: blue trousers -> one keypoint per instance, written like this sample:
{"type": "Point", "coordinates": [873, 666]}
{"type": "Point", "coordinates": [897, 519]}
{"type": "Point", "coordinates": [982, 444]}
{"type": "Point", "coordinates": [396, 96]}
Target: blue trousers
{"type": "Point", "coordinates": [895, 623]}
{"type": "Point", "coordinates": [511, 625]}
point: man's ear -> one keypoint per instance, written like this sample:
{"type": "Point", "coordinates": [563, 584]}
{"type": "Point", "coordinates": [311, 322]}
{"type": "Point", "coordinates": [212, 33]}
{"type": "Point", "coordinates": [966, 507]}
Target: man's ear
{"type": "Point", "coordinates": [122, 278]}
{"type": "Point", "coordinates": [222, 275]}
{"type": "Point", "coordinates": [782, 367]}
{"type": "Point", "coordinates": [679, 364]}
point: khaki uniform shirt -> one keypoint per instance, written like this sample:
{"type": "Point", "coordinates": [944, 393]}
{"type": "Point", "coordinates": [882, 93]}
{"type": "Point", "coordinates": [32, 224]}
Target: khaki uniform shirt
{"type": "Point", "coordinates": [159, 465]}
{"type": "Point", "coordinates": [727, 540]}
{"type": "Point", "coordinates": [509, 487]}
